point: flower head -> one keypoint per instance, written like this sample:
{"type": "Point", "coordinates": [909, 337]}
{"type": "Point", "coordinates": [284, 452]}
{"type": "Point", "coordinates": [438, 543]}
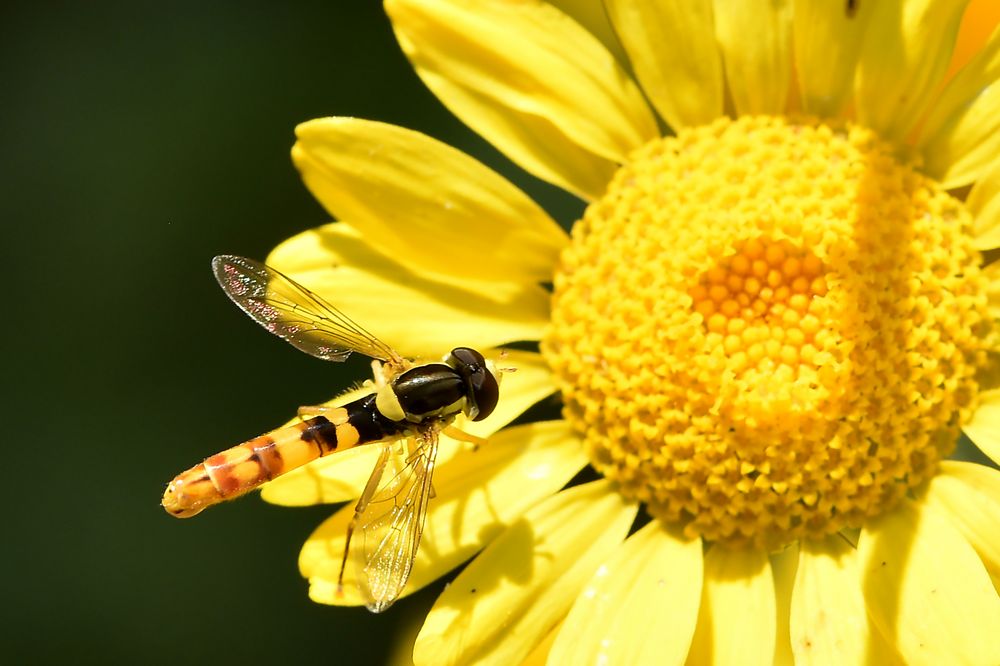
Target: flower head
{"type": "Point", "coordinates": [768, 329]}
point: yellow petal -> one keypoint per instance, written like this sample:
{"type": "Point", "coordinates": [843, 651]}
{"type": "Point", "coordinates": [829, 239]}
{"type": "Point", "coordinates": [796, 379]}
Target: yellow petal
{"type": "Point", "coordinates": [828, 39]}
{"type": "Point", "coordinates": [428, 205]}
{"type": "Point", "coordinates": [478, 493]}
{"type": "Point", "coordinates": [592, 16]}
{"type": "Point", "coordinates": [640, 607]}
{"type": "Point", "coordinates": [530, 80]}
{"type": "Point", "coordinates": [970, 496]}
{"type": "Point", "coordinates": [736, 621]}
{"type": "Point", "coordinates": [342, 477]}
{"type": "Point", "coordinates": [534, 143]}
{"type": "Point", "coordinates": [539, 655]}
{"type": "Point", "coordinates": [984, 204]}
{"type": "Point", "coordinates": [509, 598]}
{"type": "Point", "coordinates": [905, 55]}
{"type": "Point", "coordinates": [784, 565]}
{"type": "Point", "coordinates": [675, 55]}
{"type": "Point", "coordinates": [417, 314]}
{"type": "Point", "coordinates": [984, 426]}
{"type": "Point", "coordinates": [926, 589]}
{"type": "Point", "coordinates": [980, 17]}
{"type": "Point", "coordinates": [961, 137]}
{"type": "Point", "coordinates": [756, 41]}
{"type": "Point", "coordinates": [829, 624]}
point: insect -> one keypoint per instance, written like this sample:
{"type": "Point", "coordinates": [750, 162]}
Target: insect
{"type": "Point", "coordinates": [852, 8]}
{"type": "Point", "coordinates": [408, 407]}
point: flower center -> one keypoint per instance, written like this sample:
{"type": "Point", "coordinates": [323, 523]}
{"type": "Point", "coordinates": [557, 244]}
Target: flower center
{"type": "Point", "coordinates": [768, 330]}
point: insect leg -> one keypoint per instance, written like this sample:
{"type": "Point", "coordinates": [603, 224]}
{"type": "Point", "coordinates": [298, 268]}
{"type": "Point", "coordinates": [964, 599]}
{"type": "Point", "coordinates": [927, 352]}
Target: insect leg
{"type": "Point", "coordinates": [378, 372]}
{"type": "Point", "coordinates": [462, 436]}
{"type": "Point", "coordinates": [359, 508]}
{"type": "Point", "coordinates": [307, 411]}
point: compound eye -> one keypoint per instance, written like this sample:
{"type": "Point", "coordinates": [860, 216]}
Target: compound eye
{"type": "Point", "coordinates": [486, 393]}
{"type": "Point", "coordinates": [483, 388]}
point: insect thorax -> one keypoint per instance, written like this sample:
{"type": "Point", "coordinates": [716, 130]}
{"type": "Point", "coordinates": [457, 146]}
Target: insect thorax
{"type": "Point", "coordinates": [430, 391]}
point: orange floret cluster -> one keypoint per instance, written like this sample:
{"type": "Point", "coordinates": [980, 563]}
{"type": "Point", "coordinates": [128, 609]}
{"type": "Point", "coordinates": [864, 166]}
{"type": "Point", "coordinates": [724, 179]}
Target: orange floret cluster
{"type": "Point", "coordinates": [769, 330]}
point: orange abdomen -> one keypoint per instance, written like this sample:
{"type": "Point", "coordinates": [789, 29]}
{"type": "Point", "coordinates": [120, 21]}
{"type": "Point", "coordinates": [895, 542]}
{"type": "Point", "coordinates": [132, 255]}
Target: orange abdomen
{"type": "Point", "coordinates": [246, 466]}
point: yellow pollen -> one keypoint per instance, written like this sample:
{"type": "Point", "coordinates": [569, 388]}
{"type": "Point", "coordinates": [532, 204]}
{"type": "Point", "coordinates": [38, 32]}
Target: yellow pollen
{"type": "Point", "coordinates": [769, 330]}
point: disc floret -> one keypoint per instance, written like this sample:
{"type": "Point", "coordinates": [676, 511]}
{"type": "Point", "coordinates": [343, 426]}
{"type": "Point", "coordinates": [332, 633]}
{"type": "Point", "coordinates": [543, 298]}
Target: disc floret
{"type": "Point", "coordinates": [768, 329]}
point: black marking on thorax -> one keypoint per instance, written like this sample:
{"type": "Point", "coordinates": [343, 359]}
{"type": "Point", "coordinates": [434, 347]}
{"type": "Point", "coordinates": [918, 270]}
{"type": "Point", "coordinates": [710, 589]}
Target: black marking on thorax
{"type": "Point", "coordinates": [372, 426]}
{"type": "Point", "coordinates": [427, 389]}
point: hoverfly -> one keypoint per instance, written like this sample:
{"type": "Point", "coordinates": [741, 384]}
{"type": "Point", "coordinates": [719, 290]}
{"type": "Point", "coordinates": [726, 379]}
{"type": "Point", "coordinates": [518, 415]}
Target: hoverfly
{"type": "Point", "coordinates": [409, 404]}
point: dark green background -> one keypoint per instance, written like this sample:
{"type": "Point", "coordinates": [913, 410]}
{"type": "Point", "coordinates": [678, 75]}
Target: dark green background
{"type": "Point", "coordinates": [138, 141]}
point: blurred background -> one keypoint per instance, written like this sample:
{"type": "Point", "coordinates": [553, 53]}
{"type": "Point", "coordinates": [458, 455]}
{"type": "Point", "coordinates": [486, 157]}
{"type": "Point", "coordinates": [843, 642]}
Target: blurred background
{"type": "Point", "coordinates": [138, 141]}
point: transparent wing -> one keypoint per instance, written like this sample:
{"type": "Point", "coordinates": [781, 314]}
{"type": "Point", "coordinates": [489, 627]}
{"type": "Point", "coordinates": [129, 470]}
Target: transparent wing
{"type": "Point", "coordinates": [391, 524]}
{"type": "Point", "coordinates": [293, 313]}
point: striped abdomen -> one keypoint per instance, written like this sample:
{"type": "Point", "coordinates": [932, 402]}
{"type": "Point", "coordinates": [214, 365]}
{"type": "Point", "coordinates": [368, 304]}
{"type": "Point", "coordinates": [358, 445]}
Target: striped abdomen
{"type": "Point", "coordinates": [244, 467]}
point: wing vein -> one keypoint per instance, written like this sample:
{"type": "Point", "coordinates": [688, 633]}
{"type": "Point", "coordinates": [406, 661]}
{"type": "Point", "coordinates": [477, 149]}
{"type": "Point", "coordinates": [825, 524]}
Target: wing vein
{"type": "Point", "coordinates": [294, 313]}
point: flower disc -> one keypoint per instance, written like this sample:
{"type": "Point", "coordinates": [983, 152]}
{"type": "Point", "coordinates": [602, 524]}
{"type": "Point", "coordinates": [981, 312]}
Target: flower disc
{"type": "Point", "coordinates": [768, 330]}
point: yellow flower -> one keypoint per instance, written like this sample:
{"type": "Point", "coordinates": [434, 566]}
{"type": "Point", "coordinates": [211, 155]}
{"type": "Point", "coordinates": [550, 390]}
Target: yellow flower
{"type": "Point", "coordinates": [768, 329]}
